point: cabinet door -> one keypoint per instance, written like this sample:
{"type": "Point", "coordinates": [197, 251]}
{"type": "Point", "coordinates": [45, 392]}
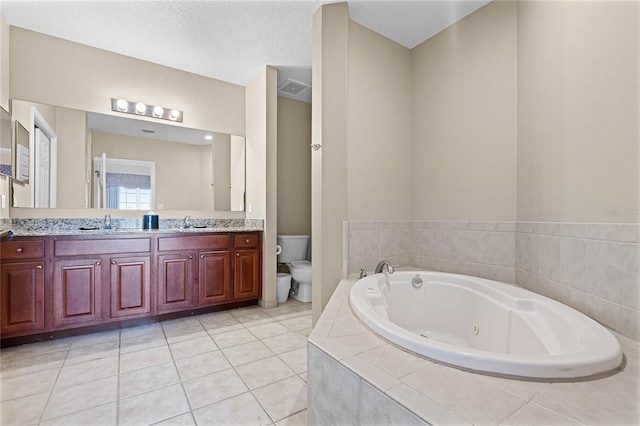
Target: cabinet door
{"type": "Point", "coordinates": [76, 291]}
{"type": "Point", "coordinates": [214, 277]}
{"type": "Point", "coordinates": [246, 281]}
{"type": "Point", "coordinates": [175, 281]}
{"type": "Point", "coordinates": [130, 279]}
{"type": "Point", "coordinates": [22, 297]}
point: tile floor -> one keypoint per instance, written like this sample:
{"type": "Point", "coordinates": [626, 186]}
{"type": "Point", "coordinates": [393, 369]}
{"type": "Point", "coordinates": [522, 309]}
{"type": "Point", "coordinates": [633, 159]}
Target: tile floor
{"type": "Point", "coordinates": [242, 366]}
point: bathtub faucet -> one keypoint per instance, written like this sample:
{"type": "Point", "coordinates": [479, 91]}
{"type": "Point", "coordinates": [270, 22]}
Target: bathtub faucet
{"type": "Point", "coordinates": [381, 266]}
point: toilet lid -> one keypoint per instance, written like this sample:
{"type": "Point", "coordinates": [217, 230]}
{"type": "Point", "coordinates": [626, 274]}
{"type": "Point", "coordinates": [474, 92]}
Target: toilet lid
{"type": "Point", "coordinates": [300, 264]}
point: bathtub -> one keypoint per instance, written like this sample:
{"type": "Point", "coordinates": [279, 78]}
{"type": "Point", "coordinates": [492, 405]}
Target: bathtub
{"type": "Point", "coordinates": [484, 326]}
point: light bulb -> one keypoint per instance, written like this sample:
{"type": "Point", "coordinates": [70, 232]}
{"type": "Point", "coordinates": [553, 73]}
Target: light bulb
{"type": "Point", "coordinates": [174, 114]}
{"type": "Point", "coordinates": [140, 108]}
{"type": "Point", "coordinates": [122, 105]}
{"type": "Point", "coordinates": [158, 111]}
{"type": "Point", "coordinates": [208, 137]}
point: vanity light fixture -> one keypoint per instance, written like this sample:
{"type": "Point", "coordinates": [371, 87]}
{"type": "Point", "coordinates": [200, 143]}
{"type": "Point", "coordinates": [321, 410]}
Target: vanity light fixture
{"type": "Point", "coordinates": [139, 108]}
{"type": "Point", "coordinates": [208, 137]}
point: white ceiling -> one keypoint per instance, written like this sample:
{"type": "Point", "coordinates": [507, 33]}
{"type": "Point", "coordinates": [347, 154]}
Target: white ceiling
{"type": "Point", "coordinates": [226, 40]}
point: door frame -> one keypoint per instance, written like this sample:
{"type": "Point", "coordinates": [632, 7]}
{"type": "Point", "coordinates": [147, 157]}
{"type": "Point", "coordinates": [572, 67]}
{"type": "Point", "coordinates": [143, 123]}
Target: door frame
{"type": "Point", "coordinates": [37, 120]}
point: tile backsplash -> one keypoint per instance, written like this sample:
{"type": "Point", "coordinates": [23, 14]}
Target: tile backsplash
{"type": "Point", "coordinates": [593, 268]}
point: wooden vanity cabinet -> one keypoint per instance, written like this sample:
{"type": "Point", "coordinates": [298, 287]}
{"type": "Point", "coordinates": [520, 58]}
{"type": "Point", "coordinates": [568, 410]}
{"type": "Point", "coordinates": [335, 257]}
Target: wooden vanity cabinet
{"type": "Point", "coordinates": [247, 276]}
{"type": "Point", "coordinates": [77, 291]}
{"type": "Point", "coordinates": [22, 286]}
{"type": "Point", "coordinates": [175, 281]}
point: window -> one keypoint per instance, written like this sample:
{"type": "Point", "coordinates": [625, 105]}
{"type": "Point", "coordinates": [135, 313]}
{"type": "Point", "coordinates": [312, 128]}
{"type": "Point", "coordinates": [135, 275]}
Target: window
{"type": "Point", "coordinates": [134, 198]}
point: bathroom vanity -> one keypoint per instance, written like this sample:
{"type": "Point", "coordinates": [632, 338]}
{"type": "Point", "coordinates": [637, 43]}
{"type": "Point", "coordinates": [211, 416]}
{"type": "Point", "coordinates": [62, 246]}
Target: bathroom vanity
{"type": "Point", "coordinates": [74, 282]}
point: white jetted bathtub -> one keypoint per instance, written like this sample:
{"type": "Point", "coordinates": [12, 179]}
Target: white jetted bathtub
{"type": "Point", "coordinates": [484, 325]}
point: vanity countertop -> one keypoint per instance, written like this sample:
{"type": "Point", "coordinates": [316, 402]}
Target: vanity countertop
{"type": "Point", "coordinates": [120, 231]}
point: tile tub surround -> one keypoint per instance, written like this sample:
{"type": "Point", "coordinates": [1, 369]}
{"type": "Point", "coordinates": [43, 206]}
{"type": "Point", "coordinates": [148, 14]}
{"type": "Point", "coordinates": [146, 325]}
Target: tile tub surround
{"type": "Point", "coordinates": [593, 268]}
{"type": "Point", "coordinates": [242, 366]}
{"type": "Point", "coordinates": [354, 374]}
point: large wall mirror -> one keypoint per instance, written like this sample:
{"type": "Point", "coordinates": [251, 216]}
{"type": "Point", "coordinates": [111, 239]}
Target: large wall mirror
{"type": "Point", "coordinates": [107, 161]}
{"type": "Point", "coordinates": [6, 156]}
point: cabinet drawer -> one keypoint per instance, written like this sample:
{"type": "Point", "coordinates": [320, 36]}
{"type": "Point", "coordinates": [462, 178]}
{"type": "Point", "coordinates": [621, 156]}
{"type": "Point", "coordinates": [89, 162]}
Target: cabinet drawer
{"type": "Point", "coordinates": [12, 250]}
{"type": "Point", "coordinates": [101, 246]}
{"type": "Point", "coordinates": [246, 240]}
{"type": "Point", "coordinates": [202, 242]}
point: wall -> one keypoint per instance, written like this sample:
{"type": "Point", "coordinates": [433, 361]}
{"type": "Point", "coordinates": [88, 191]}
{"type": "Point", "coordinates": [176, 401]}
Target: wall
{"type": "Point", "coordinates": [222, 172]}
{"type": "Point", "coordinates": [379, 148]}
{"type": "Point", "coordinates": [261, 143]}
{"type": "Point", "coordinates": [294, 167]}
{"type": "Point", "coordinates": [464, 119]}
{"type": "Point", "coordinates": [4, 63]}
{"type": "Point", "coordinates": [73, 187]}
{"type": "Point", "coordinates": [86, 78]}
{"type": "Point", "coordinates": [175, 164]}
{"type": "Point", "coordinates": [329, 165]}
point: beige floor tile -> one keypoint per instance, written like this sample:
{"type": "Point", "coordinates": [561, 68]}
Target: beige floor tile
{"type": "Point", "coordinates": [247, 352]}
{"type": "Point", "coordinates": [250, 316]}
{"type": "Point", "coordinates": [268, 330]}
{"type": "Point", "coordinates": [144, 358]}
{"type": "Point", "coordinates": [154, 406]}
{"type": "Point", "coordinates": [147, 379]}
{"type": "Point", "coordinates": [175, 335]}
{"type": "Point", "coordinates": [95, 338]}
{"type": "Point", "coordinates": [296, 359]}
{"type": "Point", "coordinates": [532, 414]}
{"type": "Point", "coordinates": [200, 365]}
{"type": "Point", "coordinates": [233, 338]}
{"type": "Point", "coordinates": [153, 339]}
{"type": "Point", "coordinates": [185, 419]}
{"type": "Point", "coordinates": [305, 332]}
{"type": "Point", "coordinates": [239, 410]}
{"type": "Point", "coordinates": [7, 353]}
{"type": "Point", "coordinates": [214, 317]}
{"type": "Point", "coordinates": [221, 327]}
{"type": "Point", "coordinates": [27, 384]}
{"type": "Point", "coordinates": [91, 352]}
{"type": "Point", "coordinates": [142, 330]}
{"type": "Point", "coordinates": [263, 372]}
{"type": "Point", "coordinates": [31, 364]}
{"type": "Point", "coordinates": [100, 415]}
{"type": "Point", "coordinates": [87, 371]}
{"type": "Point", "coordinates": [193, 347]}
{"type": "Point", "coordinates": [214, 387]}
{"type": "Point", "coordinates": [285, 342]}
{"type": "Point", "coordinates": [180, 323]}
{"type": "Point", "coordinates": [40, 348]}
{"type": "Point", "coordinates": [81, 397]}
{"type": "Point", "coordinates": [284, 398]}
{"type": "Point", "coordinates": [298, 323]}
{"type": "Point", "coordinates": [23, 411]}
{"type": "Point", "coordinates": [298, 419]}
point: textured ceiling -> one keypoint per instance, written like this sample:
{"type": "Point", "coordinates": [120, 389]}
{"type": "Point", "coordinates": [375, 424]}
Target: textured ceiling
{"type": "Point", "coordinates": [226, 40]}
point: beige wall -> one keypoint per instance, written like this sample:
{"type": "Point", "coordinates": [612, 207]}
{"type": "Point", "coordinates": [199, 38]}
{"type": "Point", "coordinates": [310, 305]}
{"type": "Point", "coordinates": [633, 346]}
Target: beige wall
{"type": "Point", "coordinates": [294, 167]}
{"type": "Point", "coordinates": [379, 116]}
{"type": "Point", "coordinates": [72, 184]}
{"type": "Point", "coordinates": [261, 143]}
{"type": "Point", "coordinates": [578, 111]}
{"type": "Point", "coordinates": [4, 63]}
{"type": "Point", "coordinates": [177, 177]}
{"type": "Point", "coordinates": [329, 165]}
{"type": "Point", "coordinates": [464, 119]}
{"type": "Point", "coordinates": [222, 171]}
{"type": "Point", "coordinates": [86, 78]}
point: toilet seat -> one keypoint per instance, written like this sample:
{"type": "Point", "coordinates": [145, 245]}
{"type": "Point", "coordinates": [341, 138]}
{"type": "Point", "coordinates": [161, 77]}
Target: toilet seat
{"type": "Point", "coordinates": [300, 264]}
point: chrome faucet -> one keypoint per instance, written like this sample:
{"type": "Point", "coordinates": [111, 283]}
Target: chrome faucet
{"type": "Point", "coordinates": [187, 223]}
{"type": "Point", "coordinates": [381, 266]}
{"type": "Point", "coordinates": [107, 221]}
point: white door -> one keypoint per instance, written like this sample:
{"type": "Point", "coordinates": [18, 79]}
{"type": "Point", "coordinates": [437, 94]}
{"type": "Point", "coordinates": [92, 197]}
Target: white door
{"type": "Point", "coordinates": [100, 181]}
{"type": "Point", "coordinates": [42, 169]}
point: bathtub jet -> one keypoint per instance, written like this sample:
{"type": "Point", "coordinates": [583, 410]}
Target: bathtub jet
{"type": "Point", "coordinates": [484, 326]}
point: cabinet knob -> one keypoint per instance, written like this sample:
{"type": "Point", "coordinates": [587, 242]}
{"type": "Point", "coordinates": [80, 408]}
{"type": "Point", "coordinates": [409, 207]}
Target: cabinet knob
{"type": "Point", "coordinates": [113, 262]}
{"type": "Point", "coordinates": [19, 249]}
{"type": "Point", "coordinates": [202, 256]}
{"type": "Point", "coordinates": [99, 262]}
{"type": "Point", "coordinates": [246, 241]}
{"type": "Point", "coordinates": [190, 257]}
{"type": "Point", "coordinates": [38, 266]}
{"type": "Point", "coordinates": [237, 254]}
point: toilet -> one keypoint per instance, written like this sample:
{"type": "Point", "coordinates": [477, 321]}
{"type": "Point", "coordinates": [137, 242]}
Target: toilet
{"type": "Point", "coordinates": [293, 250]}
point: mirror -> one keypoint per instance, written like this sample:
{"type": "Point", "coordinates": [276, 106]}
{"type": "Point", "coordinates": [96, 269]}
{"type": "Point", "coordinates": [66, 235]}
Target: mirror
{"type": "Point", "coordinates": [108, 161]}
{"type": "Point", "coordinates": [6, 163]}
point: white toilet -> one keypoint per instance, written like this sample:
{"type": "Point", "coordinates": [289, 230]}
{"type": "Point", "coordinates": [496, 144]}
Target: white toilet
{"type": "Point", "coordinates": [293, 250]}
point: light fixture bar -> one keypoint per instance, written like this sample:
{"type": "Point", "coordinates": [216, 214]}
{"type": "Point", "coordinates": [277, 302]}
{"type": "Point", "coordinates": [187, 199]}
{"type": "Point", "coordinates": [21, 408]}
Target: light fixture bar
{"type": "Point", "coordinates": [139, 108]}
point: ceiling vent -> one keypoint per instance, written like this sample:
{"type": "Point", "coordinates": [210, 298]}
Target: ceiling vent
{"type": "Point", "coordinates": [293, 89]}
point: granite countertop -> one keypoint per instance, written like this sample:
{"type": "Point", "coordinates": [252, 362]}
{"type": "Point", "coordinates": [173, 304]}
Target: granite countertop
{"type": "Point", "coordinates": [121, 231]}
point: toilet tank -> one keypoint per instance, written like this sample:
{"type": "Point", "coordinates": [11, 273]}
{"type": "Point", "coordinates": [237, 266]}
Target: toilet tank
{"type": "Point", "coordinates": [294, 247]}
